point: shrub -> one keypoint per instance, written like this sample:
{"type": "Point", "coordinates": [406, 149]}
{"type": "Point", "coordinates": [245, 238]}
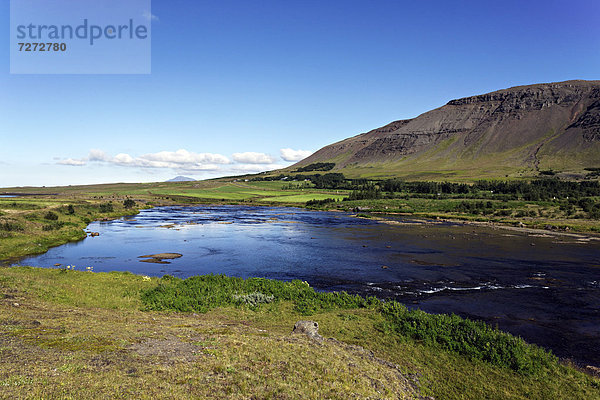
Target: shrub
{"type": "Point", "coordinates": [50, 216]}
{"type": "Point", "coordinates": [595, 212]}
{"type": "Point", "coordinates": [473, 339]}
{"type": "Point", "coordinates": [128, 203]}
{"type": "Point", "coordinates": [23, 206]}
{"type": "Point", "coordinates": [317, 167]}
{"type": "Point", "coordinates": [203, 293]}
{"type": "Point", "coordinates": [10, 226]}
{"type": "Point", "coordinates": [252, 300]}
{"type": "Point", "coordinates": [323, 202]}
{"type": "Point", "coordinates": [54, 226]}
{"type": "Point", "coordinates": [106, 207]}
{"type": "Point", "coordinates": [503, 212]}
{"type": "Point", "coordinates": [586, 204]}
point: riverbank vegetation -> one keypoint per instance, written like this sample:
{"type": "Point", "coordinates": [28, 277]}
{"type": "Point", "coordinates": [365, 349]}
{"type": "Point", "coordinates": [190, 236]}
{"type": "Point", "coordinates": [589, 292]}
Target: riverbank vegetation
{"type": "Point", "coordinates": [71, 333]}
{"type": "Point", "coordinates": [474, 340]}
{"type": "Point", "coordinates": [541, 203]}
{"type": "Point", "coordinates": [31, 225]}
{"type": "Point", "coordinates": [28, 224]}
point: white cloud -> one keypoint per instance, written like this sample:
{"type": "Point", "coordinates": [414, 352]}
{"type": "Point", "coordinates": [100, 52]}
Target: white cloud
{"type": "Point", "coordinates": [181, 157]}
{"type": "Point", "coordinates": [294, 155]}
{"type": "Point", "coordinates": [181, 160]}
{"type": "Point", "coordinates": [98, 155]}
{"type": "Point", "coordinates": [149, 16]}
{"type": "Point", "coordinates": [184, 161]}
{"type": "Point", "coordinates": [72, 162]}
{"type": "Point", "coordinates": [123, 159]}
{"type": "Point", "coordinates": [253, 158]}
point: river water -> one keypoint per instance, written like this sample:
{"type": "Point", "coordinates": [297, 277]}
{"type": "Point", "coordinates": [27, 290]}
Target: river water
{"type": "Point", "coordinates": [545, 288]}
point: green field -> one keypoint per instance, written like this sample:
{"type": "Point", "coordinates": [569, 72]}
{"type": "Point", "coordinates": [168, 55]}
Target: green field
{"type": "Point", "coordinates": [303, 198]}
{"type": "Point", "coordinates": [254, 191]}
{"type": "Point", "coordinates": [211, 190]}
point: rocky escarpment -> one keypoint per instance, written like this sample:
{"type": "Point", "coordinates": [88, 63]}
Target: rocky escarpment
{"type": "Point", "coordinates": [554, 125]}
{"type": "Point", "coordinates": [588, 121]}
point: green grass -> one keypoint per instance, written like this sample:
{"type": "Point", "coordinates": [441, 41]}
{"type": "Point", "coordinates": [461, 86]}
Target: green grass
{"type": "Point", "coordinates": [78, 334]}
{"type": "Point", "coordinates": [534, 214]}
{"type": "Point", "coordinates": [474, 340]}
{"type": "Point", "coordinates": [203, 293]}
{"type": "Point", "coordinates": [239, 191]}
{"type": "Point", "coordinates": [303, 198]}
{"type": "Point", "coordinates": [32, 225]}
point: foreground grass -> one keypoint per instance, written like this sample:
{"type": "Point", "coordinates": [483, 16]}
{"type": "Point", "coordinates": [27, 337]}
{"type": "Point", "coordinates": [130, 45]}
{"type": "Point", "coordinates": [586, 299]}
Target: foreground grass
{"type": "Point", "coordinates": [475, 340]}
{"type": "Point", "coordinates": [72, 334]}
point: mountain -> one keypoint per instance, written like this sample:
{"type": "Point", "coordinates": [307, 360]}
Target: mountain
{"type": "Point", "coordinates": [181, 179]}
{"type": "Point", "coordinates": [513, 132]}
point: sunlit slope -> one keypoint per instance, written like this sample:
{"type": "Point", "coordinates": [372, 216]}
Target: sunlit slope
{"type": "Point", "coordinates": [513, 132]}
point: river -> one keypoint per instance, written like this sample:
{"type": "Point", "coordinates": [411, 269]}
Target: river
{"type": "Point", "coordinates": [545, 288]}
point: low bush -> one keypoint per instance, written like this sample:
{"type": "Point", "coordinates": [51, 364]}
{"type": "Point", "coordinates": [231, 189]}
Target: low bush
{"type": "Point", "coordinates": [54, 226]}
{"type": "Point", "coordinates": [315, 202]}
{"type": "Point", "coordinates": [10, 226]}
{"type": "Point", "coordinates": [473, 339]}
{"type": "Point", "coordinates": [203, 293]}
{"type": "Point", "coordinates": [51, 216]}
{"type": "Point", "coordinates": [253, 300]}
{"type": "Point", "coordinates": [106, 207]}
{"type": "Point", "coordinates": [22, 205]}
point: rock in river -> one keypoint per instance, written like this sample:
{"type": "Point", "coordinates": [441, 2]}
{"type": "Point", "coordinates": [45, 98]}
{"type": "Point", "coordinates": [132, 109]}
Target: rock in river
{"type": "Point", "coordinates": [160, 257]}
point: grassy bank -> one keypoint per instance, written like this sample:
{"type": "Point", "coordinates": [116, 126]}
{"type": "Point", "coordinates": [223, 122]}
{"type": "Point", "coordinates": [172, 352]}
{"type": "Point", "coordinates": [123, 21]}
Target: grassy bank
{"type": "Point", "coordinates": [75, 334]}
{"type": "Point", "coordinates": [32, 225]}
{"type": "Point", "coordinates": [536, 215]}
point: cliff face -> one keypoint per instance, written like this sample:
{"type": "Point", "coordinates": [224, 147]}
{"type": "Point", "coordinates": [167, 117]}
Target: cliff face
{"type": "Point", "coordinates": [526, 128]}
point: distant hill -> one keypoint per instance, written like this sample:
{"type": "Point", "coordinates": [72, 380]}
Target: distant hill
{"type": "Point", "coordinates": [520, 131]}
{"type": "Point", "coordinates": [181, 179]}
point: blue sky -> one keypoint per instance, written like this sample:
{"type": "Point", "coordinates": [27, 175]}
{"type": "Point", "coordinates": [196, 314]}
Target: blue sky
{"type": "Point", "coordinates": [248, 86]}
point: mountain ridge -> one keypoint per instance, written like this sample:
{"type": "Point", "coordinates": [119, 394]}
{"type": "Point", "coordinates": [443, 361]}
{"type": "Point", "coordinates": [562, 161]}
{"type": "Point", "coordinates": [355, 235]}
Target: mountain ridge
{"type": "Point", "coordinates": [180, 178]}
{"type": "Point", "coordinates": [517, 131]}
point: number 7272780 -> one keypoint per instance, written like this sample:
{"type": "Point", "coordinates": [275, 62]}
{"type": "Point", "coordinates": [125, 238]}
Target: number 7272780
{"type": "Point", "coordinates": [42, 46]}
